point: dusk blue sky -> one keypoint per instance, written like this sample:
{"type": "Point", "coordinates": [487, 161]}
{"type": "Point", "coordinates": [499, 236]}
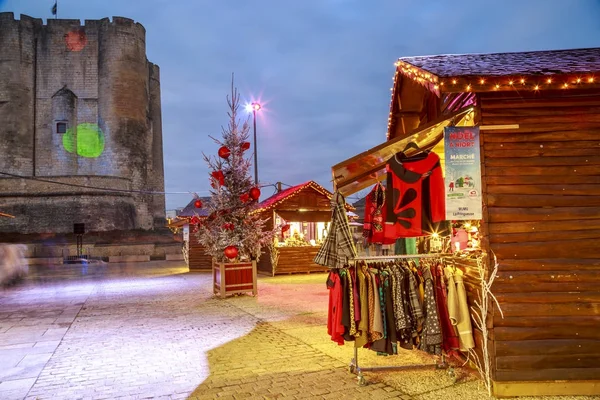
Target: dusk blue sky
{"type": "Point", "coordinates": [322, 68]}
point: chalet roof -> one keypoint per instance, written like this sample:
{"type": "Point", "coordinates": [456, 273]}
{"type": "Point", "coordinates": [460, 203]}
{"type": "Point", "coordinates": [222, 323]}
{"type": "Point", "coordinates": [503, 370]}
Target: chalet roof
{"type": "Point", "coordinates": [278, 198]}
{"type": "Point", "coordinates": [190, 210]}
{"type": "Point", "coordinates": [536, 63]}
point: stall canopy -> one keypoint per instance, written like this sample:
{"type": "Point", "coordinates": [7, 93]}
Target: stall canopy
{"type": "Point", "coordinates": [366, 168]}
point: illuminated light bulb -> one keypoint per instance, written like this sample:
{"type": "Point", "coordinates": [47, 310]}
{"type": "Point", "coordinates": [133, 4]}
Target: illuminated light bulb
{"type": "Point", "coordinates": [468, 88]}
{"type": "Point", "coordinates": [523, 81]}
{"type": "Point", "coordinates": [591, 80]}
{"type": "Point", "coordinates": [441, 83]}
{"type": "Point", "coordinates": [482, 81]}
{"type": "Point", "coordinates": [537, 87]}
{"type": "Point", "coordinates": [578, 80]}
{"type": "Point", "coordinates": [566, 85]}
{"type": "Point", "coordinates": [549, 80]}
{"type": "Point", "coordinates": [497, 86]}
{"type": "Point", "coordinates": [454, 81]}
{"type": "Point", "coordinates": [436, 87]}
{"type": "Point", "coordinates": [510, 82]}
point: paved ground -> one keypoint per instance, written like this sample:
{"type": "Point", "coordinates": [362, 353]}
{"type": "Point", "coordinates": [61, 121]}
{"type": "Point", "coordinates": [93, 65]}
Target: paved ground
{"type": "Point", "coordinates": [153, 330]}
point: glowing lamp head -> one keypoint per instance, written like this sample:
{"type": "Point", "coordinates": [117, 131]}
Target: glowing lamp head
{"type": "Point", "coordinates": [253, 107]}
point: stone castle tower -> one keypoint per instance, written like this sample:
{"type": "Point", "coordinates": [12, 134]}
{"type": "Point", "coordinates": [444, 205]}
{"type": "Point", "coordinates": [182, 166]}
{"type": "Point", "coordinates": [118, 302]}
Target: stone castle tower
{"type": "Point", "coordinates": [79, 105]}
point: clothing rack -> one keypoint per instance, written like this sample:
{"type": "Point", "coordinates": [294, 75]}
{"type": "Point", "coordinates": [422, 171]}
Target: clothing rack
{"type": "Point", "coordinates": [354, 367]}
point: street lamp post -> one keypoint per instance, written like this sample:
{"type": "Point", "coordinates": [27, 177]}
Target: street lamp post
{"type": "Point", "coordinates": [255, 107]}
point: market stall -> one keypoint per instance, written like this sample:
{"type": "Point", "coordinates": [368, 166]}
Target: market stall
{"type": "Point", "coordinates": [303, 212]}
{"type": "Point", "coordinates": [190, 215]}
{"type": "Point", "coordinates": [537, 145]}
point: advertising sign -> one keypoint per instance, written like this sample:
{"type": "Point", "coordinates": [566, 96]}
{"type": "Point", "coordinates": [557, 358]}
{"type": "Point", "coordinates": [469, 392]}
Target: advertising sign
{"type": "Point", "coordinates": [462, 173]}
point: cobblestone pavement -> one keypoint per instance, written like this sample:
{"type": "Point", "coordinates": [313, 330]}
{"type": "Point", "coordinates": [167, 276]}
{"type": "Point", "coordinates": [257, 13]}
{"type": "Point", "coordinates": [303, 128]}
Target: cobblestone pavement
{"type": "Point", "coordinates": [153, 330]}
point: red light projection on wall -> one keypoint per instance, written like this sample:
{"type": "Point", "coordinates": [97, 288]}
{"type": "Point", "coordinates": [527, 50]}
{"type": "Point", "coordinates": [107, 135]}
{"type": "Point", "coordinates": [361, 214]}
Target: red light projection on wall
{"type": "Point", "coordinates": [75, 40]}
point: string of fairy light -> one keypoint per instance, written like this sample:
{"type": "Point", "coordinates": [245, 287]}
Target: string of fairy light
{"type": "Point", "coordinates": [467, 84]}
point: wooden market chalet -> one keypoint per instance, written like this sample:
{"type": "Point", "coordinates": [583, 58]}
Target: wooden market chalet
{"type": "Point", "coordinates": [305, 211]}
{"type": "Point", "coordinates": [539, 119]}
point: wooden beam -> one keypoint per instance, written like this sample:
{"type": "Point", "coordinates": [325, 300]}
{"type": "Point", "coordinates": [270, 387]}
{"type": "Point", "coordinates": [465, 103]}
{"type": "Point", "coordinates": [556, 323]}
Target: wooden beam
{"type": "Point", "coordinates": [557, 388]}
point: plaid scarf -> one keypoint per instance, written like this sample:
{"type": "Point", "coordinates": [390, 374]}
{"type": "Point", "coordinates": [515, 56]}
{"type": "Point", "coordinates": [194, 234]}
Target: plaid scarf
{"type": "Point", "coordinates": [338, 246]}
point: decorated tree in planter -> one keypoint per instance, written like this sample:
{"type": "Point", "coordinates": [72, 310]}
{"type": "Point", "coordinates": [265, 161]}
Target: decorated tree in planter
{"type": "Point", "coordinates": [232, 232]}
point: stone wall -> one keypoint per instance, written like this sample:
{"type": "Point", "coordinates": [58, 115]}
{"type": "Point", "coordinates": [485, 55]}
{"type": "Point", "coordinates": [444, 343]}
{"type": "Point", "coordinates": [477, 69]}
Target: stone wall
{"type": "Point", "coordinates": [95, 79]}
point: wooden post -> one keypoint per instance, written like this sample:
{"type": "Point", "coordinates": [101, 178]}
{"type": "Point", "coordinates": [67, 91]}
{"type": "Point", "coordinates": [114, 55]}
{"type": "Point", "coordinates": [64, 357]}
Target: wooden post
{"type": "Point", "coordinates": [254, 282]}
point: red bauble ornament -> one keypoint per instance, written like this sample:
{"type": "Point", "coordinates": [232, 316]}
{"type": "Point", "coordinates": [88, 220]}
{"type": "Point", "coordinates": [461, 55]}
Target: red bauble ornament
{"type": "Point", "coordinates": [228, 226]}
{"type": "Point", "coordinates": [244, 197]}
{"type": "Point", "coordinates": [254, 193]}
{"type": "Point", "coordinates": [230, 252]}
{"type": "Point", "coordinates": [285, 228]}
{"type": "Point", "coordinates": [218, 176]}
{"type": "Point", "coordinates": [245, 146]}
{"type": "Point", "coordinates": [198, 204]}
{"type": "Point", "coordinates": [194, 220]}
{"type": "Point", "coordinates": [224, 152]}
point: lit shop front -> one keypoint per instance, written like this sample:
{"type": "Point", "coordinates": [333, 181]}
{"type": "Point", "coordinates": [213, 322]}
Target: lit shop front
{"type": "Point", "coordinates": [302, 213]}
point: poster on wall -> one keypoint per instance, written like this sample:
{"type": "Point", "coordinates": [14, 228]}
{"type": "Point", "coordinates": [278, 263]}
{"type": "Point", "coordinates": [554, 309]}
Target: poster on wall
{"type": "Point", "coordinates": [186, 233]}
{"type": "Point", "coordinates": [462, 173]}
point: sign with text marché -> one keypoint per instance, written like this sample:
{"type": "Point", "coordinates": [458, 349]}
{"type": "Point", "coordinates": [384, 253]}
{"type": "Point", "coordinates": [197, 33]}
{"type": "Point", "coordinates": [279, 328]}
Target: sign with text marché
{"type": "Point", "coordinates": [462, 173]}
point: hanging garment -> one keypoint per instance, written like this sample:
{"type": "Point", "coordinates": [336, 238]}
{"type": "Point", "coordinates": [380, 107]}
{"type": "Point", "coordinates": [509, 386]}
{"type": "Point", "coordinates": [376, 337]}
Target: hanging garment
{"type": "Point", "coordinates": [458, 308]}
{"type": "Point", "coordinates": [377, 316]}
{"type": "Point", "coordinates": [415, 195]}
{"type": "Point", "coordinates": [361, 338]}
{"type": "Point", "coordinates": [351, 303]}
{"type": "Point", "coordinates": [374, 214]}
{"type": "Point", "coordinates": [386, 344]}
{"type": "Point", "coordinates": [450, 338]}
{"type": "Point", "coordinates": [415, 306]}
{"type": "Point", "coordinates": [338, 246]}
{"type": "Point", "coordinates": [370, 303]}
{"type": "Point", "coordinates": [355, 296]}
{"type": "Point", "coordinates": [347, 305]}
{"type": "Point", "coordinates": [402, 309]}
{"type": "Point", "coordinates": [335, 329]}
{"type": "Point", "coordinates": [465, 331]}
{"type": "Point", "coordinates": [431, 337]}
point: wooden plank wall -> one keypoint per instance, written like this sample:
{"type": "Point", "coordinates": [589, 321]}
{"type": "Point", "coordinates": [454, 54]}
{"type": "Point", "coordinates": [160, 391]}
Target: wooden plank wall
{"type": "Point", "coordinates": [198, 259]}
{"type": "Point", "coordinates": [543, 195]}
{"type": "Point", "coordinates": [292, 260]}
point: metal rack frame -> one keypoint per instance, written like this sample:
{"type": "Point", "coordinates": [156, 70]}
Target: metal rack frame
{"type": "Point", "coordinates": [355, 368]}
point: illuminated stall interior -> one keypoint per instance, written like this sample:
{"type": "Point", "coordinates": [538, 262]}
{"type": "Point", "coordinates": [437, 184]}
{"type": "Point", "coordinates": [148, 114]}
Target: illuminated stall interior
{"type": "Point", "coordinates": [302, 213]}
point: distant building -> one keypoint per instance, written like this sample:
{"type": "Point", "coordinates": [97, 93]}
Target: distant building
{"type": "Point", "coordinates": [172, 214]}
{"type": "Point", "coordinates": [79, 105]}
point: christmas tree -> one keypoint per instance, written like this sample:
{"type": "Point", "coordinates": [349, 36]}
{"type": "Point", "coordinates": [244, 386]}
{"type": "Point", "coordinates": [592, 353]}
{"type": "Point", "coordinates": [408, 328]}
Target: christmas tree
{"type": "Point", "coordinates": [232, 232]}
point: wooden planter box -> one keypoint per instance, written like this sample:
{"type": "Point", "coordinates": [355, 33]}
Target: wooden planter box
{"type": "Point", "coordinates": [231, 278]}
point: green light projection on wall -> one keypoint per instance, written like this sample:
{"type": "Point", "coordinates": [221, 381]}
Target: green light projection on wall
{"type": "Point", "coordinates": [90, 140]}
